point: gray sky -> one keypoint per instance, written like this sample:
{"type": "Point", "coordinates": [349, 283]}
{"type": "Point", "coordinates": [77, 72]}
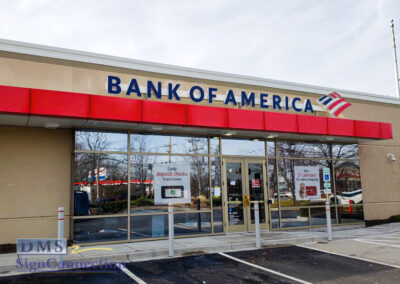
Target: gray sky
{"type": "Point", "coordinates": [343, 44]}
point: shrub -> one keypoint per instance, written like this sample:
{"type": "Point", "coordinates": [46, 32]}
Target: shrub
{"type": "Point", "coordinates": [142, 201]}
{"type": "Point", "coordinates": [113, 206]}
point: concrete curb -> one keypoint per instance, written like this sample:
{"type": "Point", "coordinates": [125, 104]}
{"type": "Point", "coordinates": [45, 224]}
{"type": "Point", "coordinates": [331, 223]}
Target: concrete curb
{"type": "Point", "coordinates": [10, 268]}
{"type": "Point", "coordinates": [132, 252]}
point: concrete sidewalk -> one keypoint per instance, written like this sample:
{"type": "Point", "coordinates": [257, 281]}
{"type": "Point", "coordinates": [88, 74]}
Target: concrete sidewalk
{"type": "Point", "coordinates": [139, 251]}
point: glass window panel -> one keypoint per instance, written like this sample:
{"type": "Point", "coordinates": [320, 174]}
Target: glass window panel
{"type": "Point", "coordinates": [109, 195]}
{"type": "Point", "coordinates": [142, 194]}
{"type": "Point", "coordinates": [199, 181]}
{"type": "Point", "coordinates": [274, 219]}
{"type": "Point", "coordinates": [100, 229]}
{"type": "Point", "coordinates": [271, 148]}
{"type": "Point", "coordinates": [286, 182]}
{"type": "Point", "coordinates": [261, 210]}
{"type": "Point", "coordinates": [318, 216]}
{"type": "Point", "coordinates": [235, 193]}
{"type": "Point", "coordinates": [345, 151]}
{"type": "Point", "coordinates": [348, 182]}
{"type": "Point", "coordinates": [256, 189]}
{"type": "Point", "coordinates": [150, 143]}
{"type": "Point", "coordinates": [243, 147]}
{"type": "Point", "coordinates": [93, 140]}
{"type": "Point", "coordinates": [302, 150]}
{"type": "Point", "coordinates": [153, 226]}
{"type": "Point", "coordinates": [234, 181]}
{"type": "Point", "coordinates": [214, 145]}
{"type": "Point", "coordinates": [142, 191]}
{"type": "Point", "coordinates": [350, 214]}
{"type": "Point", "coordinates": [235, 214]}
{"type": "Point", "coordinates": [294, 217]}
{"type": "Point", "coordinates": [255, 177]}
{"type": "Point", "coordinates": [192, 223]}
{"type": "Point", "coordinates": [273, 184]}
{"type": "Point", "coordinates": [218, 219]}
{"type": "Point", "coordinates": [217, 191]}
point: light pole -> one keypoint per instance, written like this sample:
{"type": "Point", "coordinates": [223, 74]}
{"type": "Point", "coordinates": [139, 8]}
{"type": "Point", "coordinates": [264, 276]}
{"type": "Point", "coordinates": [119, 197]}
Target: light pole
{"type": "Point", "coordinates": [396, 70]}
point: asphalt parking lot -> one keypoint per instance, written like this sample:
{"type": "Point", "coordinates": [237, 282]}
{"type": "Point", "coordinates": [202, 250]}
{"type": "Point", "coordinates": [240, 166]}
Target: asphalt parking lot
{"type": "Point", "coordinates": [285, 264]}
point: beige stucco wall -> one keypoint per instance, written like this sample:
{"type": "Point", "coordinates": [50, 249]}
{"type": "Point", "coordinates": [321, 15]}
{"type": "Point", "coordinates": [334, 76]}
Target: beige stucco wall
{"type": "Point", "coordinates": [61, 75]}
{"type": "Point", "coordinates": [35, 179]}
{"type": "Point", "coordinates": [380, 177]}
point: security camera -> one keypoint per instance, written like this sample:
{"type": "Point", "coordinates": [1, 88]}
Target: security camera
{"type": "Point", "coordinates": [392, 157]}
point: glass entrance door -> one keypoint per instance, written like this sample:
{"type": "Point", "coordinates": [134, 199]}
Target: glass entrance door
{"type": "Point", "coordinates": [244, 182]}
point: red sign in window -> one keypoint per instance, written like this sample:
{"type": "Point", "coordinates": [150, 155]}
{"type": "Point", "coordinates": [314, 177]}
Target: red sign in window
{"type": "Point", "coordinates": [311, 190]}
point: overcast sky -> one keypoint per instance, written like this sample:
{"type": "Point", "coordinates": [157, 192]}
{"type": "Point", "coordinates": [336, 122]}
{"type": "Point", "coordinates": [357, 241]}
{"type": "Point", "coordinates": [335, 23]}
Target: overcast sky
{"type": "Point", "coordinates": [344, 44]}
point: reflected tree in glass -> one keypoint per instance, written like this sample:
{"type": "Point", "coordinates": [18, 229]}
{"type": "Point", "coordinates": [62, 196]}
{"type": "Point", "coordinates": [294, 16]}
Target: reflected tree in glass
{"type": "Point", "coordinates": [93, 140]}
{"type": "Point", "coordinates": [107, 192]}
{"type": "Point", "coordinates": [295, 149]}
{"type": "Point", "coordinates": [199, 180]}
{"type": "Point", "coordinates": [102, 175]}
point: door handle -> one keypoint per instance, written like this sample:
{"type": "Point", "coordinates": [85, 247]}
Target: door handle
{"type": "Point", "coordinates": [246, 201]}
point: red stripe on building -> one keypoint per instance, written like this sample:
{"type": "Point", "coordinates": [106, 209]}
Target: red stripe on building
{"type": "Point", "coordinates": [339, 111]}
{"type": "Point", "coordinates": [336, 103]}
{"type": "Point", "coordinates": [75, 105]}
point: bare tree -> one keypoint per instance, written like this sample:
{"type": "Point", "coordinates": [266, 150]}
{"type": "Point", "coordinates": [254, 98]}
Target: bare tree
{"type": "Point", "coordinates": [142, 165]}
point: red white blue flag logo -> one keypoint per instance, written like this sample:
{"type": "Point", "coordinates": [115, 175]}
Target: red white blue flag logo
{"type": "Point", "coordinates": [334, 103]}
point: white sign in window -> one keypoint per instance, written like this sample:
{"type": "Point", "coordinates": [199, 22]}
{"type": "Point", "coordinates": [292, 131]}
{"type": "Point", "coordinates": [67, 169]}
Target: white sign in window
{"type": "Point", "coordinates": [307, 183]}
{"type": "Point", "coordinates": [171, 183]}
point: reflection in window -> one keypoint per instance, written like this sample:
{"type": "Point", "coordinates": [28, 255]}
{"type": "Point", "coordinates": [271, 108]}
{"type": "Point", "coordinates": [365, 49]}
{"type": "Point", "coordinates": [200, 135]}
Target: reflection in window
{"type": "Point", "coordinates": [100, 229]}
{"type": "Point", "coordinates": [100, 184]}
{"type": "Point", "coordinates": [192, 223]}
{"type": "Point", "coordinates": [296, 217]}
{"type": "Point", "coordinates": [273, 184]}
{"type": "Point", "coordinates": [156, 226]}
{"type": "Point", "coordinates": [93, 140]}
{"type": "Point", "coordinates": [348, 183]}
{"type": "Point", "coordinates": [302, 150]}
{"type": "Point", "coordinates": [350, 214]}
{"type": "Point", "coordinates": [149, 143]}
{"type": "Point", "coordinates": [142, 191]}
{"type": "Point", "coordinates": [217, 193]}
{"type": "Point", "coordinates": [318, 216]}
{"type": "Point", "coordinates": [243, 147]}
{"type": "Point", "coordinates": [345, 151]}
{"type": "Point", "coordinates": [153, 226]}
{"type": "Point", "coordinates": [274, 219]}
{"type": "Point", "coordinates": [271, 148]}
{"type": "Point", "coordinates": [286, 181]}
{"type": "Point", "coordinates": [214, 145]}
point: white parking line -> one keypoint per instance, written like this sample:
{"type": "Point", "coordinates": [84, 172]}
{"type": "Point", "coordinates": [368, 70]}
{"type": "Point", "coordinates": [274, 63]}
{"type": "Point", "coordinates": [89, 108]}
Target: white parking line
{"type": "Point", "coordinates": [131, 275]}
{"type": "Point", "coordinates": [397, 238]}
{"type": "Point", "coordinates": [265, 269]}
{"type": "Point", "coordinates": [376, 243]}
{"type": "Point", "coordinates": [381, 240]}
{"type": "Point", "coordinates": [354, 257]}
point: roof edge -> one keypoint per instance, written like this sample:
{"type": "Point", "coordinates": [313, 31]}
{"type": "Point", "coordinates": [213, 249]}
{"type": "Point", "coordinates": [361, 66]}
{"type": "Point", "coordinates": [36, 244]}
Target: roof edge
{"type": "Point", "coordinates": [141, 65]}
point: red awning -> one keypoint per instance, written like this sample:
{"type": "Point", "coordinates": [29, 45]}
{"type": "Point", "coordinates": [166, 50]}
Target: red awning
{"type": "Point", "coordinates": [34, 102]}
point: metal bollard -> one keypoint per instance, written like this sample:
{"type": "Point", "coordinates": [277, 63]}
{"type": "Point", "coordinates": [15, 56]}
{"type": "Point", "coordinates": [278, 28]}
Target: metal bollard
{"type": "Point", "coordinates": [328, 219]}
{"type": "Point", "coordinates": [60, 234]}
{"type": "Point", "coordinates": [171, 229]}
{"type": "Point", "coordinates": [257, 223]}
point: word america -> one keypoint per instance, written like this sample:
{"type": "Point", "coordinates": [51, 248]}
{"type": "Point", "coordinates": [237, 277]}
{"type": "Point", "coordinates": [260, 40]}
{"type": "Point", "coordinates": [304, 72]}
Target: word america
{"type": "Point", "coordinates": [197, 94]}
